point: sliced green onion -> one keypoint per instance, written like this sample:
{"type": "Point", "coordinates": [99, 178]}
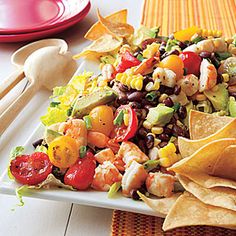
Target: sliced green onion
{"type": "Point", "coordinates": [140, 57]}
{"type": "Point", "coordinates": [82, 151]}
{"type": "Point", "coordinates": [114, 189]}
{"type": "Point", "coordinates": [88, 123]}
{"type": "Point", "coordinates": [151, 96]}
{"type": "Point", "coordinates": [176, 106]}
{"type": "Point", "coordinates": [119, 119]}
{"type": "Point", "coordinates": [151, 164]}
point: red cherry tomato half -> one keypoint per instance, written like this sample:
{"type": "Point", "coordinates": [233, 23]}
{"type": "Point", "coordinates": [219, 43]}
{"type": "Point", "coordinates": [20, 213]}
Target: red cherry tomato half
{"type": "Point", "coordinates": [31, 169]}
{"type": "Point", "coordinates": [127, 61]}
{"type": "Point", "coordinates": [191, 62]}
{"type": "Point", "coordinates": [122, 132]}
{"type": "Point", "coordinates": [80, 175]}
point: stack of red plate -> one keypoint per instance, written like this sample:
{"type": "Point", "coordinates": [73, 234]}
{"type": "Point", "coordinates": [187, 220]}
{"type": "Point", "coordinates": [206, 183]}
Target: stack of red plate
{"type": "Point", "coordinates": [33, 19]}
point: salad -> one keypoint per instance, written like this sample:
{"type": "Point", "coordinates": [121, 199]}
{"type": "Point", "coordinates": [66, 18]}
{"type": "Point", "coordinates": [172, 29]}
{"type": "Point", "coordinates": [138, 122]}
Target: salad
{"type": "Point", "coordinates": [119, 130]}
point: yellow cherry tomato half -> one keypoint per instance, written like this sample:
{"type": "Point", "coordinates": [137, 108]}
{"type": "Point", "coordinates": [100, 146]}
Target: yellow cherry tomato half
{"type": "Point", "coordinates": [63, 152]}
{"type": "Point", "coordinates": [174, 63]}
{"type": "Point", "coordinates": [102, 119]}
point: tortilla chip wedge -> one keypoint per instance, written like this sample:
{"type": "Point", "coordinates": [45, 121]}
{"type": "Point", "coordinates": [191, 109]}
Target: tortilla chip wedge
{"type": "Point", "coordinates": [188, 211]}
{"type": "Point", "coordinates": [187, 147]}
{"type": "Point", "coordinates": [203, 124]}
{"type": "Point", "coordinates": [218, 196]}
{"type": "Point", "coordinates": [97, 30]}
{"type": "Point", "coordinates": [162, 205]}
{"type": "Point", "coordinates": [204, 159]}
{"type": "Point", "coordinates": [225, 166]}
{"type": "Point", "coordinates": [117, 29]}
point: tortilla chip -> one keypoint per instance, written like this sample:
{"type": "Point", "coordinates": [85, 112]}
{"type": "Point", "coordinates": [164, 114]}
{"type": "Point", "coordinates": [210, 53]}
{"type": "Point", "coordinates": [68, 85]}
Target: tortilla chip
{"type": "Point", "coordinates": [104, 44]}
{"type": "Point", "coordinates": [203, 124]}
{"type": "Point", "coordinates": [115, 28]}
{"type": "Point", "coordinates": [204, 159]}
{"type": "Point", "coordinates": [218, 196]}
{"type": "Point", "coordinates": [188, 211]}
{"type": "Point", "coordinates": [161, 205]}
{"type": "Point", "coordinates": [97, 30]}
{"type": "Point", "coordinates": [225, 166]}
{"type": "Point", "coordinates": [187, 147]}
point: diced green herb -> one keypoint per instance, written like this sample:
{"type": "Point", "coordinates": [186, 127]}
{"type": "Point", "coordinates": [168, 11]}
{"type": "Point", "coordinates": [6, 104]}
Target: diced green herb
{"type": "Point", "coordinates": [151, 96]}
{"type": "Point", "coordinates": [198, 39]}
{"type": "Point", "coordinates": [119, 119]}
{"type": "Point", "coordinates": [82, 151]}
{"type": "Point", "coordinates": [140, 57]}
{"type": "Point", "coordinates": [88, 123]}
{"type": "Point", "coordinates": [54, 104]}
{"type": "Point", "coordinates": [176, 106]}
{"type": "Point", "coordinates": [151, 164]}
{"type": "Point", "coordinates": [114, 189]}
{"type": "Point", "coordinates": [223, 55]}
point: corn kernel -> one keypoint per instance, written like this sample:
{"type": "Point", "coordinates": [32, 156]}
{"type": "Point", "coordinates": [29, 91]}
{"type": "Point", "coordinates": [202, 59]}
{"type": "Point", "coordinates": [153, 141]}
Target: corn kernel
{"type": "Point", "coordinates": [126, 119]}
{"type": "Point", "coordinates": [156, 85]}
{"type": "Point", "coordinates": [163, 97]}
{"type": "Point", "coordinates": [165, 162]}
{"type": "Point", "coordinates": [139, 84]}
{"type": "Point", "coordinates": [151, 50]}
{"type": "Point", "coordinates": [201, 97]}
{"type": "Point", "coordinates": [219, 33]}
{"type": "Point", "coordinates": [225, 77]}
{"type": "Point", "coordinates": [157, 130]}
{"type": "Point", "coordinates": [147, 125]}
{"type": "Point", "coordinates": [149, 86]}
{"type": "Point", "coordinates": [156, 142]}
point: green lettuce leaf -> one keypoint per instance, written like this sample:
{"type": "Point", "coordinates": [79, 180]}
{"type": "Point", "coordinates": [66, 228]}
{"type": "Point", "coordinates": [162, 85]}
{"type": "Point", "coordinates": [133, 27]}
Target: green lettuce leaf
{"type": "Point", "coordinates": [54, 115]}
{"type": "Point", "coordinates": [22, 191]}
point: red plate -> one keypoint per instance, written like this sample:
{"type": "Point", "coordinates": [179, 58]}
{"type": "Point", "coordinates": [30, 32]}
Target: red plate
{"type": "Point", "coordinates": [4, 38]}
{"type": "Point", "coordinates": [24, 16]}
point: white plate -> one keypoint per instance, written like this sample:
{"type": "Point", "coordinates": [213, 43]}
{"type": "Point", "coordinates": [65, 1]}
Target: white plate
{"type": "Point", "coordinates": [90, 198]}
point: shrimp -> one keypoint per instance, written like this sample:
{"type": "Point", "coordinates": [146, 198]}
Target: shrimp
{"type": "Point", "coordinates": [97, 139]}
{"type": "Point", "coordinates": [159, 184]}
{"type": "Point", "coordinates": [105, 155]}
{"type": "Point", "coordinates": [208, 77]}
{"type": "Point", "coordinates": [107, 72]}
{"type": "Point", "coordinates": [76, 129]}
{"type": "Point", "coordinates": [106, 174]}
{"type": "Point", "coordinates": [189, 85]}
{"type": "Point", "coordinates": [129, 152]}
{"type": "Point", "coordinates": [165, 76]}
{"type": "Point", "coordinates": [133, 178]}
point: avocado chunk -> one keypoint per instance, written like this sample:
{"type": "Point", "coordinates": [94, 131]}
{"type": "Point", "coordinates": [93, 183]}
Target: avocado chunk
{"type": "Point", "coordinates": [160, 115]}
{"type": "Point", "coordinates": [83, 105]}
{"type": "Point", "coordinates": [232, 107]}
{"type": "Point", "coordinates": [218, 96]}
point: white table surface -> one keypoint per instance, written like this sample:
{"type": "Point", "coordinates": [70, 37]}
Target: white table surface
{"type": "Point", "coordinates": [49, 218]}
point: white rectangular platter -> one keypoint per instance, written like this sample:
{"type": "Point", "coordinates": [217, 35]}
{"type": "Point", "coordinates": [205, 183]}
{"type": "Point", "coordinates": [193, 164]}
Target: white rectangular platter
{"type": "Point", "coordinates": [22, 127]}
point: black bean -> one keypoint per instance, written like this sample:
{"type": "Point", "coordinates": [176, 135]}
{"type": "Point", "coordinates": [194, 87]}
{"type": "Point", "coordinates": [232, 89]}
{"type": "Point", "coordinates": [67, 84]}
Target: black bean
{"type": "Point", "coordinates": [37, 143]}
{"type": "Point", "coordinates": [172, 120]}
{"type": "Point", "coordinates": [135, 105]}
{"type": "Point", "coordinates": [142, 132]}
{"type": "Point", "coordinates": [182, 112]}
{"type": "Point", "coordinates": [149, 141]}
{"type": "Point", "coordinates": [205, 54]}
{"type": "Point", "coordinates": [149, 41]}
{"type": "Point", "coordinates": [146, 80]}
{"type": "Point", "coordinates": [164, 137]}
{"type": "Point", "coordinates": [178, 131]}
{"type": "Point", "coordinates": [219, 79]}
{"type": "Point", "coordinates": [136, 96]}
{"type": "Point", "coordinates": [177, 90]}
{"type": "Point", "coordinates": [123, 99]}
{"type": "Point", "coordinates": [123, 87]}
{"type": "Point", "coordinates": [167, 131]}
{"type": "Point", "coordinates": [147, 107]}
{"type": "Point", "coordinates": [163, 144]}
{"type": "Point", "coordinates": [134, 195]}
{"type": "Point", "coordinates": [233, 94]}
{"type": "Point", "coordinates": [182, 45]}
{"type": "Point", "coordinates": [142, 146]}
{"type": "Point", "coordinates": [162, 50]}
{"type": "Point", "coordinates": [167, 90]}
{"type": "Point", "coordinates": [168, 102]}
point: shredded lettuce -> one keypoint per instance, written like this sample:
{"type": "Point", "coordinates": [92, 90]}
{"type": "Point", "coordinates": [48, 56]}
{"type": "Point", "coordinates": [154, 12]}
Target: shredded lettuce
{"type": "Point", "coordinates": [13, 154]}
{"type": "Point", "coordinates": [143, 33]}
{"type": "Point", "coordinates": [22, 191]}
{"type": "Point", "coordinates": [114, 189]}
{"type": "Point", "coordinates": [54, 115]}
